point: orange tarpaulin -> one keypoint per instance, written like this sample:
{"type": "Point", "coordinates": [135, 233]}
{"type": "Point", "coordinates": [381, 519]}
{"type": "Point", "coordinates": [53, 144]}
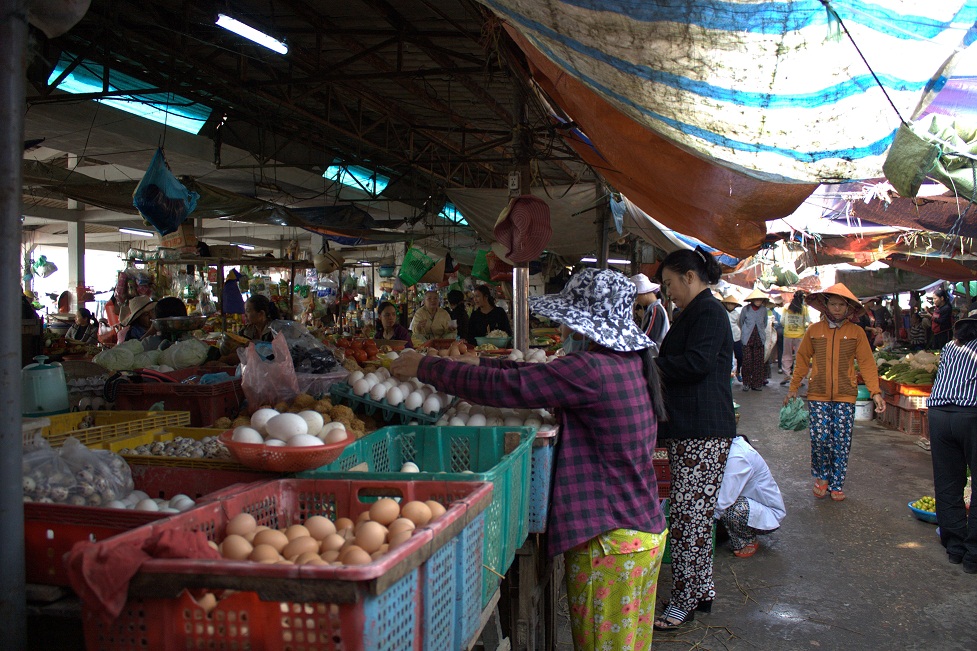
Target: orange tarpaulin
{"type": "Point", "coordinates": [723, 208]}
{"type": "Point", "coordinates": [937, 268]}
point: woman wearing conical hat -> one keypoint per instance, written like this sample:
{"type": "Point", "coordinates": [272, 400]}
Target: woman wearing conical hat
{"type": "Point", "coordinates": [829, 349]}
{"type": "Point", "coordinates": [753, 336]}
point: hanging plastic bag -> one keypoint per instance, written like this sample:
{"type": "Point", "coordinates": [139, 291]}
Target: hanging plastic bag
{"type": "Point", "coordinates": [44, 268]}
{"type": "Point", "coordinates": [793, 415]}
{"type": "Point", "coordinates": [268, 381]}
{"type": "Point", "coordinates": [160, 197]}
{"type": "Point", "coordinates": [480, 269]}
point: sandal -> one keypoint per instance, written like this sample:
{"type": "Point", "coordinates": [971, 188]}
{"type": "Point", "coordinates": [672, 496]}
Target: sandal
{"type": "Point", "coordinates": [820, 489]}
{"type": "Point", "coordinates": [672, 618]}
{"type": "Point", "coordinates": [747, 550]}
{"type": "Point", "coordinates": [837, 496]}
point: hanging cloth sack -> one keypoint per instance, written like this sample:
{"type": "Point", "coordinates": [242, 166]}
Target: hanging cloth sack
{"type": "Point", "coordinates": [161, 199]}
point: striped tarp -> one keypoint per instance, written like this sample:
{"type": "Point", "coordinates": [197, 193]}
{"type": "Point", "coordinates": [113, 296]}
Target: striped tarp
{"type": "Point", "coordinates": [769, 89]}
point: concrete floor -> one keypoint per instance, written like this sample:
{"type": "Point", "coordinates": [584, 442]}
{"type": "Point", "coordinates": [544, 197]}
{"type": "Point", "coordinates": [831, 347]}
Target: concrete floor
{"type": "Point", "coordinates": [858, 574]}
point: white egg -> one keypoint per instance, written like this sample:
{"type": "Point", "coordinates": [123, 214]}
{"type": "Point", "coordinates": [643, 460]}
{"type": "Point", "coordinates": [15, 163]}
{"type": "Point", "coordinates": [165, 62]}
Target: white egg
{"type": "Point", "coordinates": [285, 426]}
{"type": "Point", "coordinates": [313, 419]}
{"type": "Point", "coordinates": [378, 392]}
{"type": "Point", "coordinates": [394, 396]}
{"type": "Point", "coordinates": [406, 388]}
{"type": "Point", "coordinates": [425, 391]}
{"type": "Point", "coordinates": [392, 355]}
{"type": "Point", "coordinates": [261, 417]}
{"type": "Point", "coordinates": [117, 504]}
{"type": "Point", "coordinates": [371, 380]}
{"type": "Point", "coordinates": [390, 382]}
{"type": "Point", "coordinates": [361, 387]}
{"type": "Point", "coordinates": [512, 421]}
{"type": "Point", "coordinates": [275, 443]}
{"type": "Point", "coordinates": [476, 409]}
{"type": "Point", "coordinates": [147, 505]}
{"type": "Point", "coordinates": [456, 421]}
{"type": "Point", "coordinates": [382, 373]}
{"type": "Point", "coordinates": [533, 422]}
{"type": "Point", "coordinates": [354, 376]}
{"type": "Point", "coordinates": [303, 441]}
{"type": "Point", "coordinates": [442, 422]}
{"type": "Point", "coordinates": [168, 509]}
{"type": "Point", "coordinates": [417, 383]}
{"type": "Point", "coordinates": [463, 407]}
{"type": "Point", "coordinates": [494, 421]}
{"type": "Point", "coordinates": [414, 401]}
{"type": "Point", "coordinates": [409, 466]}
{"type": "Point", "coordinates": [184, 504]}
{"type": "Point", "coordinates": [336, 435]}
{"type": "Point", "coordinates": [179, 497]}
{"type": "Point", "coordinates": [244, 434]}
{"type": "Point", "coordinates": [431, 405]}
{"type": "Point", "coordinates": [476, 420]}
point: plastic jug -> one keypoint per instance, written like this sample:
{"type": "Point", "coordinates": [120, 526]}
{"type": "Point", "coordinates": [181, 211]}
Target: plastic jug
{"type": "Point", "coordinates": [44, 389]}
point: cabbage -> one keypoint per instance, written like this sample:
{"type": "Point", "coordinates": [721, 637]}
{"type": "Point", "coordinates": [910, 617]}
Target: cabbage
{"type": "Point", "coordinates": [146, 359]}
{"type": "Point", "coordinates": [134, 346]}
{"type": "Point", "coordinates": [119, 358]}
{"type": "Point", "coordinates": [184, 354]}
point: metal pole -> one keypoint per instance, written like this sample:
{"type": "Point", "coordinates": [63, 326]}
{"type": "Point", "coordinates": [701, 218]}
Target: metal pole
{"type": "Point", "coordinates": [13, 48]}
{"type": "Point", "coordinates": [603, 225]}
{"type": "Point", "coordinates": [520, 272]}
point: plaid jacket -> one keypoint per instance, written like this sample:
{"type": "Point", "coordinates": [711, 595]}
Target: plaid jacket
{"type": "Point", "coordinates": [695, 361]}
{"type": "Point", "coordinates": [604, 475]}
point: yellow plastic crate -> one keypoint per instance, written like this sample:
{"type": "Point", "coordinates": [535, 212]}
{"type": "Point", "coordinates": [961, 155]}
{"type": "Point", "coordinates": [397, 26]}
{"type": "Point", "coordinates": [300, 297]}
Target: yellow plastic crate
{"type": "Point", "coordinates": [169, 434]}
{"type": "Point", "coordinates": [94, 427]}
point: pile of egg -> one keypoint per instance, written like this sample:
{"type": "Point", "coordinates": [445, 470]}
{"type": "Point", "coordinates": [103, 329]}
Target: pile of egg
{"type": "Point", "coordinates": [534, 356]}
{"type": "Point", "coordinates": [320, 541]}
{"type": "Point", "coordinates": [412, 395]}
{"type": "Point", "coordinates": [139, 500]}
{"type": "Point", "coordinates": [465, 414]}
{"type": "Point", "coordinates": [304, 429]}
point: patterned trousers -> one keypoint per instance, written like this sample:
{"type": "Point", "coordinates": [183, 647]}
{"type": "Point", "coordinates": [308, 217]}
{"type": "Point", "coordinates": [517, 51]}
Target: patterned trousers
{"type": "Point", "coordinates": [831, 424]}
{"type": "Point", "coordinates": [697, 467]}
{"type": "Point", "coordinates": [736, 519]}
{"type": "Point", "coordinates": [754, 370]}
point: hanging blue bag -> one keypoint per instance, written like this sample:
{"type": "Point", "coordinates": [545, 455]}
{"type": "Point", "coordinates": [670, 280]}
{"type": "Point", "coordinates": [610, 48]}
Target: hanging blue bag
{"type": "Point", "coordinates": [161, 199]}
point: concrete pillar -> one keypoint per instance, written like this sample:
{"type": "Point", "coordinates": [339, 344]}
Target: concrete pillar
{"type": "Point", "coordinates": [76, 259]}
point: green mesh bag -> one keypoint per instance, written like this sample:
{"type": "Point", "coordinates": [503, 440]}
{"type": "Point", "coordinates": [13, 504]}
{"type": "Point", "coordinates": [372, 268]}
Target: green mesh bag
{"type": "Point", "coordinates": [793, 415]}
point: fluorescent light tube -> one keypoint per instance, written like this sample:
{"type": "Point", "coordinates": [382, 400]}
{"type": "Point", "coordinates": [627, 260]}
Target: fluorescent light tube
{"type": "Point", "coordinates": [246, 247]}
{"type": "Point", "coordinates": [134, 231]}
{"type": "Point", "coordinates": [251, 34]}
{"type": "Point", "coordinates": [609, 261]}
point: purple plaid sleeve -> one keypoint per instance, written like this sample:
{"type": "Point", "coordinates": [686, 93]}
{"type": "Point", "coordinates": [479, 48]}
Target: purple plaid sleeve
{"type": "Point", "coordinates": [604, 476]}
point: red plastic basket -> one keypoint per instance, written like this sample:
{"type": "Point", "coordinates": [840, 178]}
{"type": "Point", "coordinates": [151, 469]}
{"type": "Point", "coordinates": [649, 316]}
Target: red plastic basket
{"type": "Point", "coordinates": [425, 594]}
{"type": "Point", "coordinates": [50, 530]}
{"type": "Point", "coordinates": [205, 402]}
{"type": "Point", "coordinates": [284, 459]}
{"type": "Point", "coordinates": [914, 389]}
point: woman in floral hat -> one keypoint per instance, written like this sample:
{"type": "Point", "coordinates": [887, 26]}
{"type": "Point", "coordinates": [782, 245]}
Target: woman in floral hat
{"type": "Point", "coordinates": [830, 349]}
{"type": "Point", "coordinates": [605, 516]}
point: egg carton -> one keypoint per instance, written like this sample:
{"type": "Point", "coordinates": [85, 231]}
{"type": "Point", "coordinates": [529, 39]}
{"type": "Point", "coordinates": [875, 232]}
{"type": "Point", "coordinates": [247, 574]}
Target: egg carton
{"type": "Point", "coordinates": [344, 393]}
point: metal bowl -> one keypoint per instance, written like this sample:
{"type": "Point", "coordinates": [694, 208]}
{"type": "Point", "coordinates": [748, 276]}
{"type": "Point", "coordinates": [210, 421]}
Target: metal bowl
{"type": "Point", "coordinates": [171, 324]}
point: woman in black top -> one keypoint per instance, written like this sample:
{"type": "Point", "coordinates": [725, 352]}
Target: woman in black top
{"type": "Point", "coordinates": [456, 303]}
{"type": "Point", "coordinates": [84, 329]}
{"type": "Point", "coordinates": [486, 316]}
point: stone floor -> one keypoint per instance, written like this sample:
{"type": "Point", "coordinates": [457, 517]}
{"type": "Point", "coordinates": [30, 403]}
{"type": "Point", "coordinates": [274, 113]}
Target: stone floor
{"type": "Point", "coordinates": [858, 574]}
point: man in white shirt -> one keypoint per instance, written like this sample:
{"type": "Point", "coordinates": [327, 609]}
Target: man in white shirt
{"type": "Point", "coordinates": [749, 502]}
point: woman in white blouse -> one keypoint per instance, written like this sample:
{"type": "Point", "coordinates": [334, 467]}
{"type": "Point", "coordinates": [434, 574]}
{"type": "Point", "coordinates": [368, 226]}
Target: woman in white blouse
{"type": "Point", "coordinates": [749, 502]}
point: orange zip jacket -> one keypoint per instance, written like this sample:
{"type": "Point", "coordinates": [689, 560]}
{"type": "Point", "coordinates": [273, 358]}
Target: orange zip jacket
{"type": "Point", "coordinates": [830, 354]}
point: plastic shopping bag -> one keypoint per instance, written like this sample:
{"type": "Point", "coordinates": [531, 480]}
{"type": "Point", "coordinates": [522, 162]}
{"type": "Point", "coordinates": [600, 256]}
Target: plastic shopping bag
{"type": "Point", "coordinates": [793, 415]}
{"type": "Point", "coordinates": [266, 382]}
{"type": "Point", "coordinates": [160, 197]}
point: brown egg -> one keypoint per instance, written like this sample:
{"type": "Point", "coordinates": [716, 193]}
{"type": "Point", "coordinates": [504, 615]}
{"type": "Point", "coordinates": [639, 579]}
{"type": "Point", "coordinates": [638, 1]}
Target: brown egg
{"type": "Point", "coordinates": [417, 512]}
{"type": "Point", "coordinates": [355, 556]}
{"type": "Point", "coordinates": [297, 531]}
{"type": "Point", "coordinates": [370, 536]}
{"type": "Point", "coordinates": [363, 517]}
{"type": "Point", "coordinates": [399, 538]}
{"type": "Point", "coordinates": [208, 602]}
{"type": "Point", "coordinates": [272, 537]}
{"type": "Point", "coordinates": [400, 524]}
{"type": "Point", "coordinates": [241, 524]}
{"type": "Point", "coordinates": [319, 527]}
{"type": "Point", "coordinates": [332, 542]}
{"type": "Point", "coordinates": [306, 558]}
{"type": "Point", "coordinates": [235, 548]}
{"type": "Point", "coordinates": [437, 510]}
{"type": "Point", "coordinates": [330, 556]}
{"type": "Point", "coordinates": [377, 554]}
{"type": "Point", "coordinates": [264, 553]}
{"type": "Point", "coordinates": [298, 546]}
{"type": "Point", "coordinates": [214, 545]}
{"type": "Point", "coordinates": [344, 523]}
{"type": "Point", "coordinates": [315, 560]}
{"type": "Point", "coordinates": [384, 511]}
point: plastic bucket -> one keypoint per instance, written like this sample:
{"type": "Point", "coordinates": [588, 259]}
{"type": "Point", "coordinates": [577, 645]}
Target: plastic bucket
{"type": "Point", "coordinates": [864, 409]}
{"type": "Point", "coordinates": [863, 393]}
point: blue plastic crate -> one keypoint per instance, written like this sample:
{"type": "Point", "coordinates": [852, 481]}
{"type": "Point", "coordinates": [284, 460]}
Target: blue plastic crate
{"type": "Point", "coordinates": [343, 393]}
{"type": "Point", "coordinates": [541, 479]}
{"type": "Point", "coordinates": [456, 454]}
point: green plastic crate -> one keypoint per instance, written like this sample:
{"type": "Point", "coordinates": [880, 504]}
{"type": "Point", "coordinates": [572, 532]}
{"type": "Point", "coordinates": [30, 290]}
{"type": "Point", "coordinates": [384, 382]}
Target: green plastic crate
{"type": "Point", "coordinates": [455, 454]}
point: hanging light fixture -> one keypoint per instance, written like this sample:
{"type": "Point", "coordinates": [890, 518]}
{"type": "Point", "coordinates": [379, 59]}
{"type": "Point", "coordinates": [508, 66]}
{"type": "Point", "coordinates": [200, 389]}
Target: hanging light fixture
{"type": "Point", "coordinates": [252, 34]}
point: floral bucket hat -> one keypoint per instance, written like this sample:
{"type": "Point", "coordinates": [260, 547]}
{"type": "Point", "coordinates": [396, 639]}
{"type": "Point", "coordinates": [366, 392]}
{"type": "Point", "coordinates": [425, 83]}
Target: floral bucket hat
{"type": "Point", "coordinates": [598, 304]}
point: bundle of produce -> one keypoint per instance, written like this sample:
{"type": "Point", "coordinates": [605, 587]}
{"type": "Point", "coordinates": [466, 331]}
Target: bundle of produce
{"type": "Point", "coordinates": [913, 368]}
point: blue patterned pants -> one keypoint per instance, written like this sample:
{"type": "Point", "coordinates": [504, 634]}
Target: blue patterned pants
{"type": "Point", "coordinates": [831, 424]}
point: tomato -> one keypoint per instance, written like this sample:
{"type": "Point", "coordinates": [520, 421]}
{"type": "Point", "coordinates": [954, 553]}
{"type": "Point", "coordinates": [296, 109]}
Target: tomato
{"type": "Point", "coordinates": [343, 343]}
{"type": "Point", "coordinates": [359, 355]}
{"type": "Point", "coordinates": [356, 344]}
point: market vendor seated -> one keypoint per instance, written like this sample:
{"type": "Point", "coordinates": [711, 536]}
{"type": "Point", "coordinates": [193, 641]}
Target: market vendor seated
{"type": "Point", "coordinates": [388, 327]}
{"type": "Point", "coordinates": [140, 318]}
{"type": "Point", "coordinates": [166, 307]}
{"type": "Point", "coordinates": [260, 312]}
{"type": "Point", "coordinates": [85, 328]}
